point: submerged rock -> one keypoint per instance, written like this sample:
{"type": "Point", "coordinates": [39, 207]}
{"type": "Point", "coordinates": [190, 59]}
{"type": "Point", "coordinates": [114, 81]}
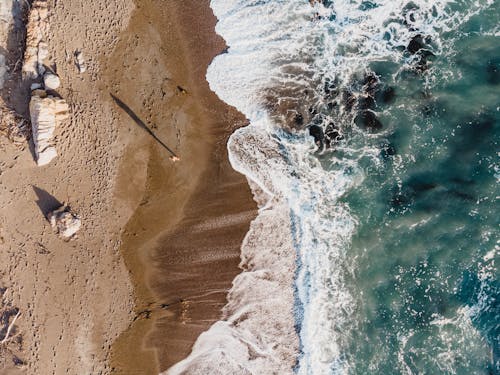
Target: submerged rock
{"type": "Point", "coordinates": [46, 113]}
{"type": "Point", "coordinates": [64, 222]}
{"type": "Point", "coordinates": [388, 95]}
{"type": "Point", "coordinates": [367, 120]}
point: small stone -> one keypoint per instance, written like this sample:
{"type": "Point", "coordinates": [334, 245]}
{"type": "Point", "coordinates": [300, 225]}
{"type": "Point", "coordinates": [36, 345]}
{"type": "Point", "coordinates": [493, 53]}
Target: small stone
{"type": "Point", "coordinates": [64, 222]}
{"type": "Point", "coordinates": [80, 62]}
{"type": "Point", "coordinates": [51, 81]}
{"type": "Point", "coordinates": [35, 86]}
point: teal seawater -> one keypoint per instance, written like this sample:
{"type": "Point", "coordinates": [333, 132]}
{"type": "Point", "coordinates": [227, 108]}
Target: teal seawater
{"type": "Point", "coordinates": [427, 241]}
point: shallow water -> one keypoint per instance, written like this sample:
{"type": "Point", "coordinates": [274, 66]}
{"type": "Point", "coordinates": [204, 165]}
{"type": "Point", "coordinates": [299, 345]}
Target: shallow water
{"type": "Point", "coordinates": [376, 124]}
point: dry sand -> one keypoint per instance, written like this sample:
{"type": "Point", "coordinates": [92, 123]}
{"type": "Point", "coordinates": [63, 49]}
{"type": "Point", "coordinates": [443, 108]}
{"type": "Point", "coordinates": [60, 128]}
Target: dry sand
{"type": "Point", "coordinates": [74, 297]}
{"type": "Point", "coordinates": [155, 233]}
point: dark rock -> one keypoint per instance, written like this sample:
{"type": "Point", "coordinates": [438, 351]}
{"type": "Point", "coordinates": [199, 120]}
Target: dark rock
{"type": "Point", "coordinates": [330, 106]}
{"type": "Point", "coordinates": [367, 120]}
{"type": "Point", "coordinates": [348, 99]}
{"type": "Point", "coordinates": [317, 133]}
{"type": "Point", "coordinates": [333, 135]}
{"type": "Point", "coordinates": [388, 95]}
{"type": "Point", "coordinates": [366, 102]}
{"type": "Point", "coordinates": [416, 44]}
{"type": "Point", "coordinates": [370, 83]}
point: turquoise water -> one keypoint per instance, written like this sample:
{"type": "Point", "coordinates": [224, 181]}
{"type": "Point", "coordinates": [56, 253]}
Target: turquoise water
{"type": "Point", "coordinates": [428, 210]}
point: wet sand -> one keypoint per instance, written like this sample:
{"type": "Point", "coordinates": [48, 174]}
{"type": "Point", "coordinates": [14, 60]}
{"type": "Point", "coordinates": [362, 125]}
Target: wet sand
{"type": "Point", "coordinates": [182, 243]}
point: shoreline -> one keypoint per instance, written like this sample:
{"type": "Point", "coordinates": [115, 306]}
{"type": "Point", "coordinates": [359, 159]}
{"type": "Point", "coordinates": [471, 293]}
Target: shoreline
{"type": "Point", "coordinates": [182, 243]}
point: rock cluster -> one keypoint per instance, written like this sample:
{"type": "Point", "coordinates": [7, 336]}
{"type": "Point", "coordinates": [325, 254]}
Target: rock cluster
{"type": "Point", "coordinates": [64, 222]}
{"type": "Point", "coordinates": [46, 113]}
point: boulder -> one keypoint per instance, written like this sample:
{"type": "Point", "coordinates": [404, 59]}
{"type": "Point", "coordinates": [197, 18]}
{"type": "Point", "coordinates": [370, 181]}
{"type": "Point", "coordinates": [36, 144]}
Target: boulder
{"type": "Point", "coordinates": [64, 222]}
{"type": "Point", "coordinates": [46, 113]}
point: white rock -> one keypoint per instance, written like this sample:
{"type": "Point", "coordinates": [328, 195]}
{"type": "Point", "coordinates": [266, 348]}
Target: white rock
{"type": "Point", "coordinates": [46, 113]}
{"type": "Point", "coordinates": [63, 222]}
{"type": "Point", "coordinates": [51, 81]}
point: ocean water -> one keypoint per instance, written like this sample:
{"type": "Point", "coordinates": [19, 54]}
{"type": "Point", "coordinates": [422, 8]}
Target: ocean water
{"type": "Point", "coordinates": [372, 151]}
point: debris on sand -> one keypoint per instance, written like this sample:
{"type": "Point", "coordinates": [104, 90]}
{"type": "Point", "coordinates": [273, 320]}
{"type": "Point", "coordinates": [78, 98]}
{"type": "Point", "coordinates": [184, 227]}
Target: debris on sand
{"type": "Point", "coordinates": [64, 222]}
{"type": "Point", "coordinates": [14, 127]}
{"type": "Point", "coordinates": [36, 48]}
{"type": "Point", "coordinates": [46, 113]}
{"type": "Point", "coordinates": [80, 62]}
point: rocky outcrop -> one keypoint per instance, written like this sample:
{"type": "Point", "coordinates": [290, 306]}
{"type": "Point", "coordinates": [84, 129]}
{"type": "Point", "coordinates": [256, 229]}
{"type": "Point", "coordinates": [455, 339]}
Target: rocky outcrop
{"type": "Point", "coordinates": [64, 222]}
{"type": "Point", "coordinates": [46, 113]}
{"type": "Point", "coordinates": [36, 48]}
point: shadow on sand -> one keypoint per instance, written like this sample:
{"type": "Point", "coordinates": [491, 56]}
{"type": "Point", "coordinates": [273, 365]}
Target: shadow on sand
{"type": "Point", "coordinates": [46, 202]}
{"type": "Point", "coordinates": [139, 122]}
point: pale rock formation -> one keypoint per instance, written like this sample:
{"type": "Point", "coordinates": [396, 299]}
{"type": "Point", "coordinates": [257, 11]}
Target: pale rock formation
{"type": "Point", "coordinates": [5, 23]}
{"type": "Point", "coordinates": [64, 222]}
{"type": "Point", "coordinates": [36, 49]}
{"type": "Point", "coordinates": [46, 113]}
{"type": "Point", "coordinates": [80, 62]}
{"type": "Point", "coordinates": [51, 81]}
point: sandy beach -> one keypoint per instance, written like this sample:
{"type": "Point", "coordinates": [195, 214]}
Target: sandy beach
{"type": "Point", "coordinates": [159, 244]}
